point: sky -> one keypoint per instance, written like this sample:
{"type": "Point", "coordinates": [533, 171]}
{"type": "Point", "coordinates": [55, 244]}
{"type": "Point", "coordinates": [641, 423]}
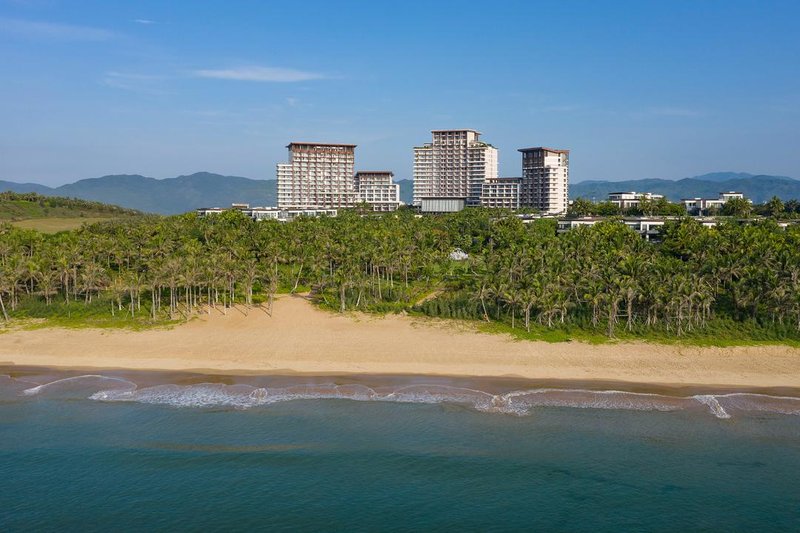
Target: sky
{"type": "Point", "coordinates": [635, 89]}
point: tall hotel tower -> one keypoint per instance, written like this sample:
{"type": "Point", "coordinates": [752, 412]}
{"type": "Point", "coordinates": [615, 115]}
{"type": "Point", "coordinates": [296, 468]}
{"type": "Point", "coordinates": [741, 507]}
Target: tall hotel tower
{"type": "Point", "coordinates": [317, 175]}
{"type": "Point", "coordinates": [450, 171]}
{"type": "Point", "coordinates": [545, 180]}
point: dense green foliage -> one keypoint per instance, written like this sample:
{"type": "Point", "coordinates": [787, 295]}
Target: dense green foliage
{"type": "Point", "coordinates": [17, 206]}
{"type": "Point", "coordinates": [734, 280]}
{"type": "Point", "coordinates": [736, 207]}
{"type": "Point", "coordinates": [660, 207]}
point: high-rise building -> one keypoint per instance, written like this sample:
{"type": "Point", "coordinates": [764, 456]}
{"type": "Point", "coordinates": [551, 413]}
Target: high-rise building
{"type": "Point", "coordinates": [545, 179]}
{"type": "Point", "coordinates": [378, 189]}
{"type": "Point", "coordinates": [317, 175]}
{"type": "Point", "coordinates": [453, 167]}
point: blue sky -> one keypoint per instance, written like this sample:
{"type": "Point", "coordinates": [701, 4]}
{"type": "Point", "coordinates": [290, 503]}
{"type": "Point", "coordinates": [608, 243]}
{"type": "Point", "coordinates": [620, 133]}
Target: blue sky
{"type": "Point", "coordinates": [663, 89]}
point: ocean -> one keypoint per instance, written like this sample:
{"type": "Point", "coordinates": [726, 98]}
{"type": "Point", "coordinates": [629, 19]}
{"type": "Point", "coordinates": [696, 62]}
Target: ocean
{"type": "Point", "coordinates": [167, 452]}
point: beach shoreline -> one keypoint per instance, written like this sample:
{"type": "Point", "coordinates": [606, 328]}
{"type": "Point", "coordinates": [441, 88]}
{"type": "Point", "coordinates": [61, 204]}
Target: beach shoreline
{"type": "Point", "coordinates": [301, 340]}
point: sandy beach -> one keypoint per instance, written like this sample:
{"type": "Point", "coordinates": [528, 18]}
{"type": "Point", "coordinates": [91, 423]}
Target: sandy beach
{"type": "Point", "coordinates": [299, 338]}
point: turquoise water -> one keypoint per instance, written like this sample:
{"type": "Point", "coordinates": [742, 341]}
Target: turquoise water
{"type": "Point", "coordinates": [405, 457]}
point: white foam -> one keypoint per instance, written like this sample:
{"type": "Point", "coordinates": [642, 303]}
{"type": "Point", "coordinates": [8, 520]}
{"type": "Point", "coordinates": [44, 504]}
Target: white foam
{"type": "Point", "coordinates": [77, 380]}
{"type": "Point", "coordinates": [238, 396]}
{"type": "Point", "coordinates": [745, 401]}
{"type": "Point", "coordinates": [518, 402]}
{"type": "Point", "coordinates": [713, 404]}
{"type": "Point", "coordinates": [483, 401]}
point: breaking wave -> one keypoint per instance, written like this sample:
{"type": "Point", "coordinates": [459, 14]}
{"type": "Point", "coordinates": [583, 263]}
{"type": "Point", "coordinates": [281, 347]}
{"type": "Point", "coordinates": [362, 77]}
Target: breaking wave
{"type": "Point", "coordinates": [75, 386]}
{"type": "Point", "coordinates": [518, 402]}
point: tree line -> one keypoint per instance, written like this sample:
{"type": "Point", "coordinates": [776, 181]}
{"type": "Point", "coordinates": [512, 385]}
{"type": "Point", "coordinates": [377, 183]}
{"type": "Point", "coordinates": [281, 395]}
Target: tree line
{"type": "Point", "coordinates": [603, 278]}
{"type": "Point", "coordinates": [735, 207]}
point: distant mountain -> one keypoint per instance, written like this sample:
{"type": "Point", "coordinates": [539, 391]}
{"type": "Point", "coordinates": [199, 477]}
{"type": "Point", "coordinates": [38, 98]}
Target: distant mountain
{"type": "Point", "coordinates": [406, 190]}
{"type": "Point", "coordinates": [172, 195]}
{"type": "Point", "coordinates": [723, 176]}
{"type": "Point", "coordinates": [167, 196]}
{"type": "Point", "coordinates": [25, 187]}
{"type": "Point", "coordinates": [758, 188]}
{"type": "Point", "coordinates": [204, 189]}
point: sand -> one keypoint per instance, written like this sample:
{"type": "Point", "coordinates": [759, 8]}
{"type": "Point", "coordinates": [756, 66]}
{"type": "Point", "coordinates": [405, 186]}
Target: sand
{"type": "Point", "coordinates": [299, 338]}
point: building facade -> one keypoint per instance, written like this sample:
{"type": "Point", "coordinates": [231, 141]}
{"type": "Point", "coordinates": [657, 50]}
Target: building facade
{"type": "Point", "coordinates": [378, 189]}
{"type": "Point", "coordinates": [625, 200]}
{"type": "Point", "coordinates": [545, 179]}
{"type": "Point", "coordinates": [268, 213]}
{"type": "Point", "coordinates": [454, 165]}
{"type": "Point", "coordinates": [501, 193]}
{"type": "Point", "coordinates": [699, 206]}
{"type": "Point", "coordinates": [318, 175]}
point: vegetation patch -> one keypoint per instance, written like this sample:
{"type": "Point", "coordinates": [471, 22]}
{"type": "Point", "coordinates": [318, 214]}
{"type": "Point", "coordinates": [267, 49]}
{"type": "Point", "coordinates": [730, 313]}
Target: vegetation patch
{"type": "Point", "coordinates": [733, 284]}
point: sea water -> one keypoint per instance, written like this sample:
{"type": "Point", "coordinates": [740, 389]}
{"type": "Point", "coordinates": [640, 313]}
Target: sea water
{"type": "Point", "coordinates": [105, 452]}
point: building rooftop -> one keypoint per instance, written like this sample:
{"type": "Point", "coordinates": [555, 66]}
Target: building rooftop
{"type": "Point", "coordinates": [459, 130]}
{"type": "Point", "coordinates": [320, 144]}
{"type": "Point", "coordinates": [375, 172]}
{"type": "Point", "coordinates": [503, 179]}
{"type": "Point", "coordinates": [535, 148]}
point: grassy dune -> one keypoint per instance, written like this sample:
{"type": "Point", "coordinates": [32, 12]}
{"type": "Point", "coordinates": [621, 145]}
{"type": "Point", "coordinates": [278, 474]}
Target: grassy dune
{"type": "Point", "coordinates": [54, 214]}
{"type": "Point", "coordinates": [56, 224]}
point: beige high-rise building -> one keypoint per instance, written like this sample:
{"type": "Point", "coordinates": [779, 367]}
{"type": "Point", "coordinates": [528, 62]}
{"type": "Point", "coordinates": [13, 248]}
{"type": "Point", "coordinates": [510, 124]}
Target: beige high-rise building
{"type": "Point", "coordinates": [545, 179]}
{"type": "Point", "coordinates": [453, 167]}
{"type": "Point", "coordinates": [318, 175]}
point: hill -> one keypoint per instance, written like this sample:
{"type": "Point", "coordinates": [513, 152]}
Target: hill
{"type": "Point", "coordinates": [205, 189]}
{"type": "Point", "coordinates": [167, 196]}
{"type": "Point", "coordinates": [759, 188]}
{"type": "Point", "coordinates": [406, 190]}
{"type": "Point", "coordinates": [53, 213]}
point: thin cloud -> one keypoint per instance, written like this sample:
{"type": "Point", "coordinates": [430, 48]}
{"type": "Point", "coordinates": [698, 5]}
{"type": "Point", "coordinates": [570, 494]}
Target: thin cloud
{"type": "Point", "coordinates": [146, 22]}
{"type": "Point", "coordinates": [140, 83]}
{"type": "Point", "coordinates": [262, 74]}
{"type": "Point", "coordinates": [53, 30]}
{"type": "Point", "coordinates": [673, 112]}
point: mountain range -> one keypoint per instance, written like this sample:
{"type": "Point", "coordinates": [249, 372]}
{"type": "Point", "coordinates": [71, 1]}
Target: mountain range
{"type": "Point", "coordinates": [204, 189]}
{"type": "Point", "coordinates": [172, 195]}
{"type": "Point", "coordinates": [759, 188]}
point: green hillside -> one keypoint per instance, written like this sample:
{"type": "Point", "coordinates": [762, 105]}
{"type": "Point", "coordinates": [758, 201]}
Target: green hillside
{"type": "Point", "coordinates": [167, 196]}
{"type": "Point", "coordinates": [54, 213]}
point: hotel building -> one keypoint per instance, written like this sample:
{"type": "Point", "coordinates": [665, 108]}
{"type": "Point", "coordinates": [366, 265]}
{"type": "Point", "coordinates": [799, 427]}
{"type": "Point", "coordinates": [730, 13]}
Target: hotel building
{"type": "Point", "coordinates": [378, 189]}
{"type": "Point", "coordinates": [451, 170]}
{"type": "Point", "coordinates": [317, 175]}
{"type": "Point", "coordinates": [501, 193]}
{"type": "Point", "coordinates": [545, 179]}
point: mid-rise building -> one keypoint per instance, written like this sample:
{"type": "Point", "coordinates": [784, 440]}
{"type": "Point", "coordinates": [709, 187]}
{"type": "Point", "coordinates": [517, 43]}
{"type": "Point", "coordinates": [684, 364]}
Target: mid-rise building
{"type": "Point", "coordinates": [699, 206]}
{"type": "Point", "coordinates": [545, 179]}
{"type": "Point", "coordinates": [318, 175]}
{"type": "Point", "coordinates": [501, 193]}
{"type": "Point", "coordinates": [378, 189]}
{"type": "Point", "coordinates": [625, 200]}
{"type": "Point", "coordinates": [268, 213]}
{"type": "Point", "coordinates": [455, 166]}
